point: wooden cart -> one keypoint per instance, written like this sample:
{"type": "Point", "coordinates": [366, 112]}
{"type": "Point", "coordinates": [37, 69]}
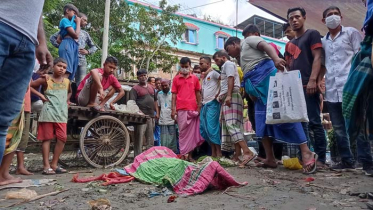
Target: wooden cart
{"type": "Point", "coordinates": [100, 138]}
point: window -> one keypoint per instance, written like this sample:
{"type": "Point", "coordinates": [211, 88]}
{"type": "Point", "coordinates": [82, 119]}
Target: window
{"type": "Point", "coordinates": [221, 38]}
{"type": "Point", "coordinates": [190, 36]}
{"type": "Point", "coordinates": [221, 42]}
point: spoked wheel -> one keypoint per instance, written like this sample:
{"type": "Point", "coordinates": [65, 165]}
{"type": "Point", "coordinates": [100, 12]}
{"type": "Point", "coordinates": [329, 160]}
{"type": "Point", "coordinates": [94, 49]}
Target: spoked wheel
{"type": "Point", "coordinates": [72, 156]}
{"type": "Point", "coordinates": [104, 142]}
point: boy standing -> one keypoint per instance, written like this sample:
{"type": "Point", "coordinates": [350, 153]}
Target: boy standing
{"type": "Point", "coordinates": [53, 117]}
{"type": "Point", "coordinates": [186, 106]}
{"type": "Point", "coordinates": [166, 123]}
{"type": "Point", "coordinates": [209, 117]}
{"type": "Point", "coordinates": [83, 41]}
{"type": "Point", "coordinates": [69, 32]}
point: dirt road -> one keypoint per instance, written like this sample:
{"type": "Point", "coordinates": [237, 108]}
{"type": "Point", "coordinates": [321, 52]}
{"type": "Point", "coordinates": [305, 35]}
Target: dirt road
{"type": "Point", "coordinates": [278, 189]}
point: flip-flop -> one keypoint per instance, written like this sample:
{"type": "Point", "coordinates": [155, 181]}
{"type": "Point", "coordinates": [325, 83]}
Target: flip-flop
{"type": "Point", "coordinates": [246, 161]}
{"type": "Point", "coordinates": [60, 170]}
{"type": "Point", "coordinates": [312, 161]}
{"type": "Point", "coordinates": [49, 171]}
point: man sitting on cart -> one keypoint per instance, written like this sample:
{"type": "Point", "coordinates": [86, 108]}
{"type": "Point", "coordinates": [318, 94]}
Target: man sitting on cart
{"type": "Point", "coordinates": [99, 86]}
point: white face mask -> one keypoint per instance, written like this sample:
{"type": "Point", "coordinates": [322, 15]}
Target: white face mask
{"type": "Point", "coordinates": [198, 76]}
{"type": "Point", "coordinates": [333, 21]}
{"type": "Point", "coordinates": [184, 70]}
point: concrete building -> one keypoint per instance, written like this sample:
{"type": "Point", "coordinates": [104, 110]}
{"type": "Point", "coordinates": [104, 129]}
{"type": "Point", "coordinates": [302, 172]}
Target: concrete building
{"type": "Point", "coordinates": [202, 38]}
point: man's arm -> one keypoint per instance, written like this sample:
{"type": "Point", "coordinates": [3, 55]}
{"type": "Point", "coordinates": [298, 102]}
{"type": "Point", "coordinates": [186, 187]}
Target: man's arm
{"type": "Point", "coordinates": [53, 39]}
{"type": "Point", "coordinates": [173, 106]}
{"type": "Point", "coordinates": [271, 52]}
{"type": "Point", "coordinates": [316, 66]}
{"type": "Point", "coordinates": [119, 96]}
{"type": "Point", "coordinates": [91, 45]}
{"type": "Point", "coordinates": [356, 39]}
{"type": "Point", "coordinates": [38, 94]}
{"type": "Point", "coordinates": [199, 100]}
{"type": "Point", "coordinates": [228, 98]}
{"type": "Point", "coordinates": [41, 52]}
{"type": "Point", "coordinates": [74, 33]}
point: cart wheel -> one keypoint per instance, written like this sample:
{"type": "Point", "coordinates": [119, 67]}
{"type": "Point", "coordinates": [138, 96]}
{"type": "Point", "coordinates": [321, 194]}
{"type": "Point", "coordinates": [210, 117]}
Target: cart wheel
{"type": "Point", "coordinates": [104, 142]}
{"type": "Point", "coordinates": [71, 156]}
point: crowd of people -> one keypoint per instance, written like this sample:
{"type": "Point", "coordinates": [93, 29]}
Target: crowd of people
{"type": "Point", "coordinates": [200, 104]}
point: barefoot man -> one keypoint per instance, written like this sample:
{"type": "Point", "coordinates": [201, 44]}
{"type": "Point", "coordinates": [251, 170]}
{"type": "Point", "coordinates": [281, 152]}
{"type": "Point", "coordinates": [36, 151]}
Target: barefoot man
{"type": "Point", "coordinates": [99, 86]}
{"type": "Point", "coordinates": [231, 109]}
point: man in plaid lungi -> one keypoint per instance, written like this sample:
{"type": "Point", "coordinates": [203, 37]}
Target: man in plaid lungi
{"type": "Point", "coordinates": [231, 109]}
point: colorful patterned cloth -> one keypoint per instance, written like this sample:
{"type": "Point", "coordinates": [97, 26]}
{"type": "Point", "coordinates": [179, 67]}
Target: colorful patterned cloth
{"type": "Point", "coordinates": [231, 119]}
{"type": "Point", "coordinates": [257, 84]}
{"type": "Point", "coordinates": [14, 135]}
{"type": "Point", "coordinates": [357, 89]}
{"type": "Point", "coordinates": [160, 166]}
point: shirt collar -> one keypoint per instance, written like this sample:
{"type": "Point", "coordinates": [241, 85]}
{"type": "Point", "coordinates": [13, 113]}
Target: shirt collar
{"type": "Point", "coordinates": [328, 34]}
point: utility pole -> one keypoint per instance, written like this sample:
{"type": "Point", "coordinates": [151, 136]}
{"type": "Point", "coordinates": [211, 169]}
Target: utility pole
{"type": "Point", "coordinates": [105, 38]}
{"type": "Point", "coordinates": [236, 16]}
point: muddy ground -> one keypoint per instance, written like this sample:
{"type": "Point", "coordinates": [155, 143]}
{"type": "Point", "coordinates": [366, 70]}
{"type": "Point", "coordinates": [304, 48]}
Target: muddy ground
{"type": "Point", "coordinates": [267, 189]}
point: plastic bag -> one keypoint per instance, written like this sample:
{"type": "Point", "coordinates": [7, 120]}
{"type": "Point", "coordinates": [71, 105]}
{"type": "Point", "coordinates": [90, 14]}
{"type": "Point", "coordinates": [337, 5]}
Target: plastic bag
{"type": "Point", "coordinates": [291, 163]}
{"type": "Point", "coordinates": [286, 102]}
{"type": "Point", "coordinates": [24, 194]}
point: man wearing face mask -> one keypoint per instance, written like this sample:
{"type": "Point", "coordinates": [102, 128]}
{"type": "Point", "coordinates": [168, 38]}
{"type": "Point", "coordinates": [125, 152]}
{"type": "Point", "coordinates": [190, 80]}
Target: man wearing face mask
{"type": "Point", "coordinates": [186, 106]}
{"type": "Point", "coordinates": [340, 45]}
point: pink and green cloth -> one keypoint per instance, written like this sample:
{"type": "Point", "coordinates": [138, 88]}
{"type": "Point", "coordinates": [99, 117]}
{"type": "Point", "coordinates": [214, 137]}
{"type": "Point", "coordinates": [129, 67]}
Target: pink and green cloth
{"type": "Point", "coordinates": [160, 166]}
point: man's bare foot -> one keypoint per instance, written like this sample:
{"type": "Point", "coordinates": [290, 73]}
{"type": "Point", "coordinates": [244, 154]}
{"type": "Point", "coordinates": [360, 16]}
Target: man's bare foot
{"type": "Point", "coordinates": [23, 171]}
{"type": "Point", "coordinates": [8, 179]}
{"type": "Point", "coordinates": [267, 164]}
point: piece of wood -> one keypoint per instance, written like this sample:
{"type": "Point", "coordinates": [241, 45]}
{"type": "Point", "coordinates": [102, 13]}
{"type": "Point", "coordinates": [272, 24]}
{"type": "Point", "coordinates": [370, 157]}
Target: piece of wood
{"type": "Point", "coordinates": [37, 198]}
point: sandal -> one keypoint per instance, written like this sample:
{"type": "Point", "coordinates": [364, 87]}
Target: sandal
{"type": "Point", "coordinates": [60, 170]}
{"type": "Point", "coordinates": [309, 163]}
{"type": "Point", "coordinates": [49, 171]}
{"type": "Point", "coordinates": [247, 160]}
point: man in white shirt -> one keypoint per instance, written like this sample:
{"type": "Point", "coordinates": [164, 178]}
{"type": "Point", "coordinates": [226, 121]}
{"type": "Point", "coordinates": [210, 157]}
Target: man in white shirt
{"type": "Point", "coordinates": [209, 116]}
{"type": "Point", "coordinates": [340, 45]}
{"type": "Point", "coordinates": [231, 109]}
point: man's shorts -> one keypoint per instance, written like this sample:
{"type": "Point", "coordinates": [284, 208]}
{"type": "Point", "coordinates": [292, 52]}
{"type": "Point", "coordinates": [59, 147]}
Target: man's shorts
{"type": "Point", "coordinates": [50, 130]}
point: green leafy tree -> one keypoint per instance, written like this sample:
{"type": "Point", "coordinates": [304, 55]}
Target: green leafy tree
{"type": "Point", "coordinates": [138, 35]}
{"type": "Point", "coordinates": [155, 33]}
